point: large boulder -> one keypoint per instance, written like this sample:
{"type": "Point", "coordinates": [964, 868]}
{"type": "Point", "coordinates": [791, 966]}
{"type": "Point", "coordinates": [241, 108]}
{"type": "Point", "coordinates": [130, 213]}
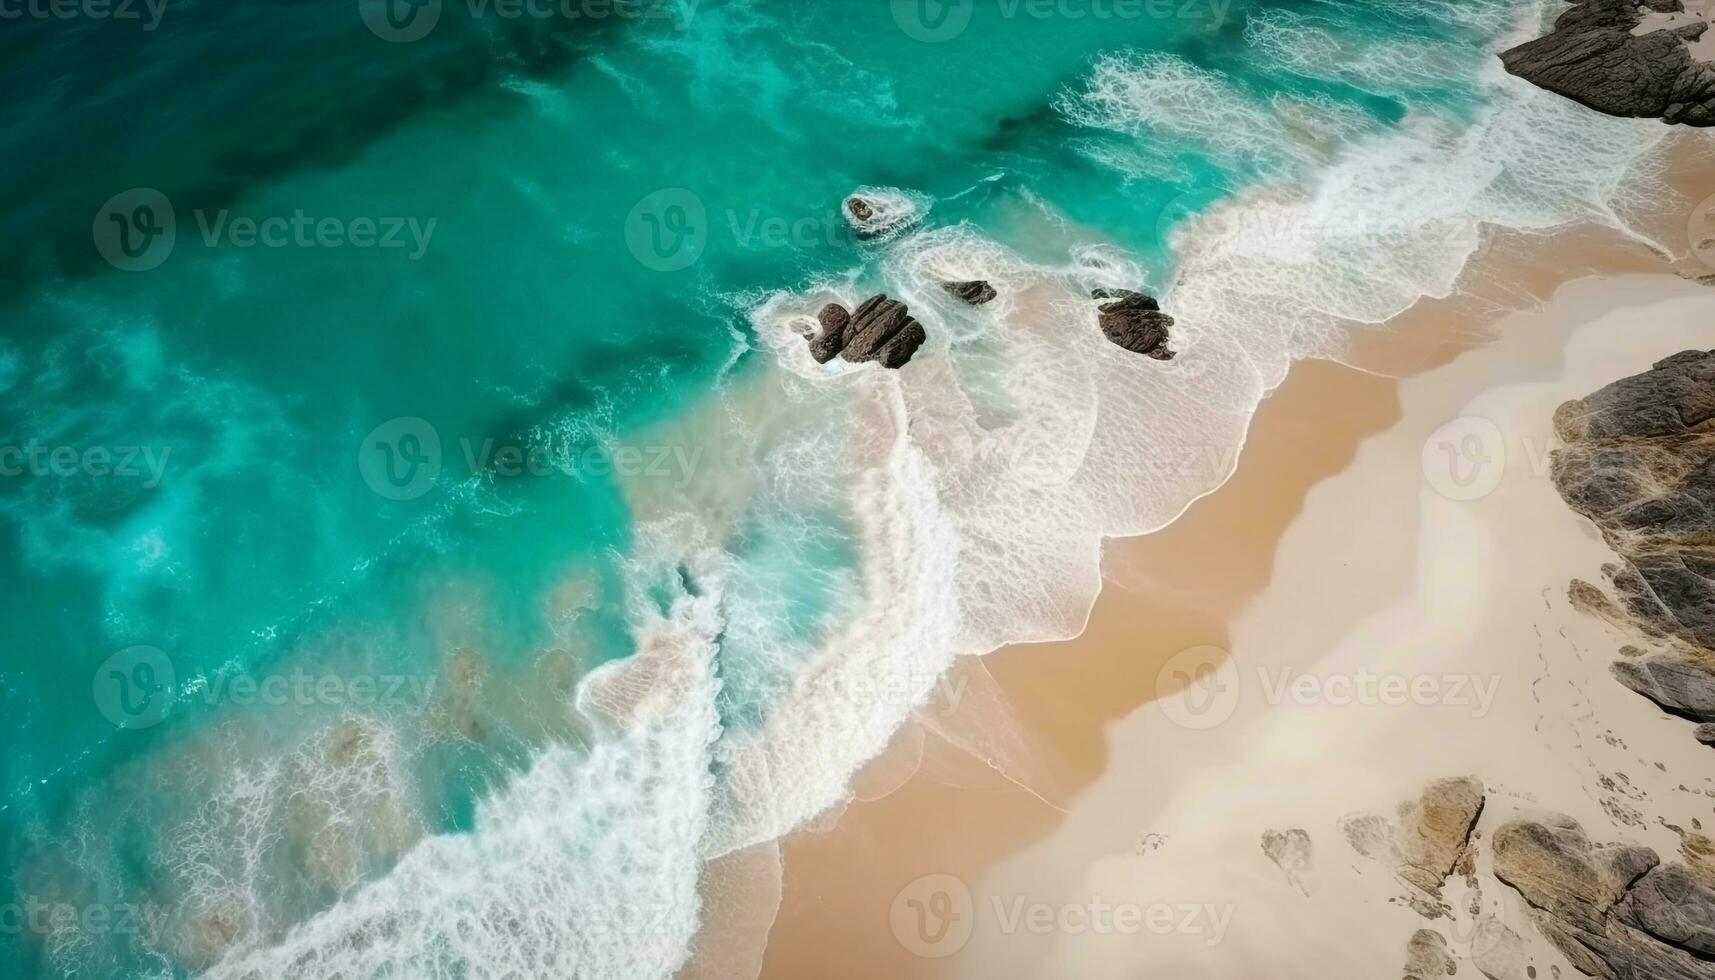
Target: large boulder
{"type": "Point", "coordinates": [1614, 911]}
{"type": "Point", "coordinates": [1595, 56]}
{"type": "Point", "coordinates": [881, 329]}
{"type": "Point", "coordinates": [1638, 460]}
{"type": "Point", "coordinates": [1429, 837]}
{"type": "Point", "coordinates": [1134, 321]}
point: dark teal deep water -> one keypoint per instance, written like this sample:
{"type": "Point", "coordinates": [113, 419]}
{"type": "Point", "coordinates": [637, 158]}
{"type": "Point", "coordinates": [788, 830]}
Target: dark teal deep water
{"type": "Point", "coordinates": [525, 182]}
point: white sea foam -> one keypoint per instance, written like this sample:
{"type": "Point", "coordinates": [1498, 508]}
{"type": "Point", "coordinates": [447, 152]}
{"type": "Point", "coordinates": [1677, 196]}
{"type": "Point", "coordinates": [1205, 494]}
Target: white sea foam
{"type": "Point", "coordinates": [979, 483]}
{"type": "Point", "coordinates": [583, 866]}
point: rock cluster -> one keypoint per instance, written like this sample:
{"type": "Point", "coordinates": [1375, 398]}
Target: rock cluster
{"type": "Point", "coordinates": [1614, 911]}
{"type": "Point", "coordinates": [1134, 321]}
{"type": "Point", "coordinates": [1593, 57]}
{"type": "Point", "coordinates": [880, 329]}
{"type": "Point", "coordinates": [1429, 837]}
{"type": "Point", "coordinates": [1639, 461]}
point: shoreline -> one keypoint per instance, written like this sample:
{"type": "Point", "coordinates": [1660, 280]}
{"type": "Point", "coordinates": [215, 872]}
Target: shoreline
{"type": "Point", "coordinates": [927, 808]}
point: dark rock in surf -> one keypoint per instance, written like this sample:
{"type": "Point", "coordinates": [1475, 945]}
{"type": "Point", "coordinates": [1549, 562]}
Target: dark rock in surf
{"type": "Point", "coordinates": [976, 292]}
{"type": "Point", "coordinates": [1135, 321]}
{"type": "Point", "coordinates": [1593, 57]}
{"type": "Point", "coordinates": [881, 329]}
{"type": "Point", "coordinates": [826, 345]}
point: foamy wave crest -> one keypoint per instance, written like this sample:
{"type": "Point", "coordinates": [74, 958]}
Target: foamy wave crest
{"type": "Point", "coordinates": [583, 866]}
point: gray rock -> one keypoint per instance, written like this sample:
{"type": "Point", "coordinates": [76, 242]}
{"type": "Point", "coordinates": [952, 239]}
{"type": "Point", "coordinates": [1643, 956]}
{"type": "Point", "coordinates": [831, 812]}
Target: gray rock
{"type": "Point", "coordinates": [881, 329]}
{"type": "Point", "coordinates": [1670, 904]}
{"type": "Point", "coordinates": [1134, 321]}
{"type": "Point", "coordinates": [1426, 956]}
{"type": "Point", "coordinates": [1292, 852]}
{"type": "Point", "coordinates": [1614, 911]}
{"type": "Point", "coordinates": [1682, 687]}
{"type": "Point", "coordinates": [1429, 837]}
{"type": "Point", "coordinates": [1638, 460]}
{"type": "Point", "coordinates": [1592, 57]}
{"type": "Point", "coordinates": [827, 345]}
{"type": "Point", "coordinates": [1435, 829]}
{"type": "Point", "coordinates": [976, 292]}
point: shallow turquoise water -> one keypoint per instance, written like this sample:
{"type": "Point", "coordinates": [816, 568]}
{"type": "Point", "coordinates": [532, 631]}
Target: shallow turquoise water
{"type": "Point", "coordinates": [529, 308]}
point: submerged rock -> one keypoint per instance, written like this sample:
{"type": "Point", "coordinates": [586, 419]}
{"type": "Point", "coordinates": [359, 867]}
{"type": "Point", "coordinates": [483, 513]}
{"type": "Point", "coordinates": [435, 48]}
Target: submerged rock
{"type": "Point", "coordinates": [1134, 321]}
{"type": "Point", "coordinates": [1593, 57]}
{"type": "Point", "coordinates": [976, 292]}
{"type": "Point", "coordinates": [881, 329]}
{"type": "Point", "coordinates": [827, 344]}
{"type": "Point", "coordinates": [878, 212]}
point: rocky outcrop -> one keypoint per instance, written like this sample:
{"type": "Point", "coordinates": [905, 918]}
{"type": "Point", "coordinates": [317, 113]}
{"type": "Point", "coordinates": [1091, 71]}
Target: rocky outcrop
{"type": "Point", "coordinates": [1614, 911]}
{"type": "Point", "coordinates": [1134, 321]}
{"type": "Point", "coordinates": [881, 329]}
{"type": "Point", "coordinates": [1428, 839]}
{"type": "Point", "coordinates": [878, 213]}
{"type": "Point", "coordinates": [976, 292]}
{"type": "Point", "coordinates": [1593, 57]}
{"type": "Point", "coordinates": [1426, 956]}
{"type": "Point", "coordinates": [1292, 852]}
{"type": "Point", "coordinates": [1638, 460]}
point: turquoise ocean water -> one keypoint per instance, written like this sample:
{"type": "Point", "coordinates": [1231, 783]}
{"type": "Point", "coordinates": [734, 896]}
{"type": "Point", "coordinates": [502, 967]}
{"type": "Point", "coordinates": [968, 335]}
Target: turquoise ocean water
{"type": "Point", "coordinates": [467, 559]}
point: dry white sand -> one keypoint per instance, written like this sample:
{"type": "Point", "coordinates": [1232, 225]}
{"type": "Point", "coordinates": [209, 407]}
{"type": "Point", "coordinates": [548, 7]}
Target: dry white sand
{"type": "Point", "coordinates": [1418, 620]}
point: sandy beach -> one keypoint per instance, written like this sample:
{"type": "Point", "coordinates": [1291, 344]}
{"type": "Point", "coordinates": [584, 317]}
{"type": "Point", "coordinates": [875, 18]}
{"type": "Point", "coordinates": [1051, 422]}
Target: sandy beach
{"type": "Point", "coordinates": [1376, 599]}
